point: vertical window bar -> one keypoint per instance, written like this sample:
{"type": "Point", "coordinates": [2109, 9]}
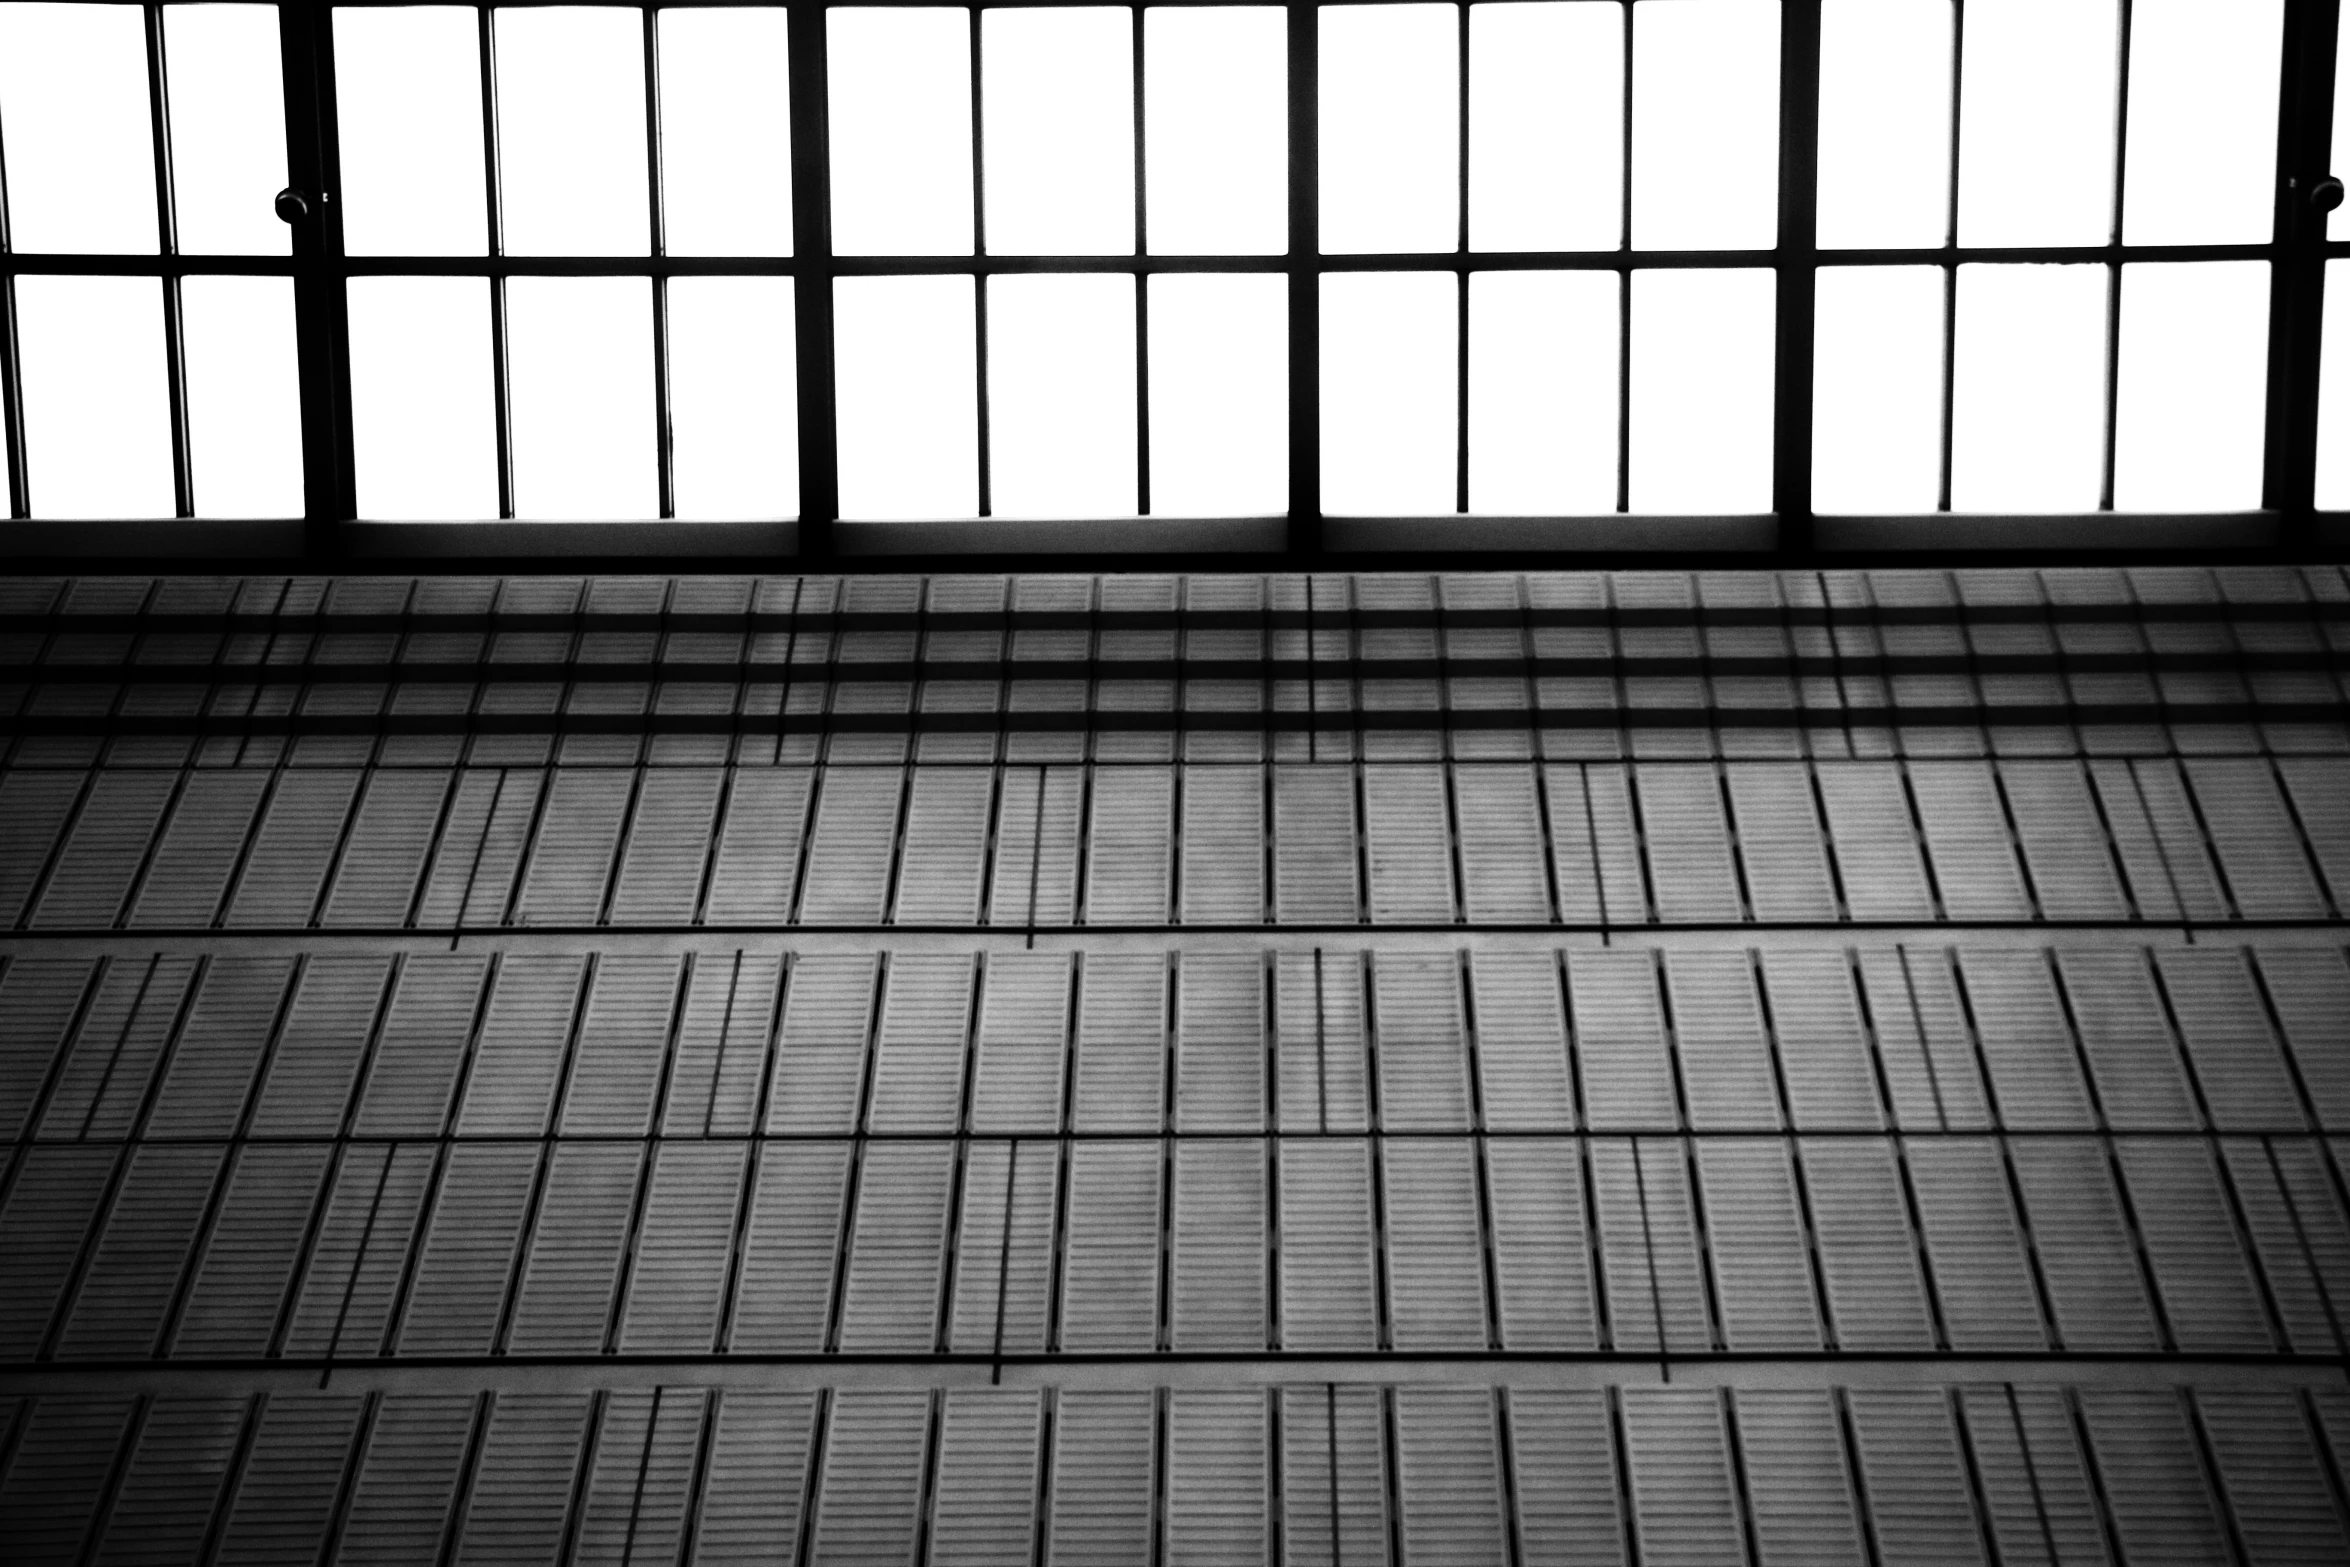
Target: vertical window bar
{"type": "Point", "coordinates": [1950, 251]}
{"type": "Point", "coordinates": [979, 273]}
{"type": "Point", "coordinates": [1305, 282]}
{"type": "Point", "coordinates": [1624, 293]}
{"type": "Point", "coordinates": [321, 305]}
{"type": "Point", "coordinates": [175, 380]}
{"type": "Point", "coordinates": [501, 388]}
{"type": "Point", "coordinates": [664, 454]}
{"type": "Point", "coordinates": [2113, 268]}
{"type": "Point", "coordinates": [11, 387]}
{"type": "Point", "coordinates": [1797, 270]}
{"type": "Point", "coordinates": [1460, 415]}
{"type": "Point", "coordinates": [2305, 129]}
{"type": "Point", "coordinates": [811, 178]}
{"type": "Point", "coordinates": [1142, 295]}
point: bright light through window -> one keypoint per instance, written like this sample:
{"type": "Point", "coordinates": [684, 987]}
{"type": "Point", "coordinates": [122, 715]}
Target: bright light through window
{"type": "Point", "coordinates": [580, 352]}
{"type": "Point", "coordinates": [1546, 126]}
{"type": "Point", "coordinates": [421, 384]}
{"type": "Point", "coordinates": [1390, 136]}
{"type": "Point", "coordinates": [2028, 389]}
{"type": "Point", "coordinates": [733, 406]}
{"type": "Point", "coordinates": [1884, 123]}
{"type": "Point", "coordinates": [1390, 393]}
{"type": "Point", "coordinates": [228, 128]}
{"type": "Point", "coordinates": [1543, 370]}
{"type": "Point", "coordinates": [1060, 383]}
{"type": "Point", "coordinates": [1057, 98]}
{"type": "Point", "coordinates": [244, 399]}
{"type": "Point", "coordinates": [725, 133]}
{"type": "Point", "coordinates": [97, 417]}
{"type": "Point", "coordinates": [908, 396]}
{"type": "Point", "coordinates": [73, 104]}
{"type": "Point", "coordinates": [2035, 139]}
{"type": "Point", "coordinates": [1215, 132]}
{"type": "Point", "coordinates": [901, 131]}
{"type": "Point", "coordinates": [1219, 395]}
{"type": "Point", "coordinates": [571, 131]}
{"type": "Point", "coordinates": [408, 115]}
{"type": "Point", "coordinates": [1701, 391]}
{"type": "Point", "coordinates": [1705, 124]}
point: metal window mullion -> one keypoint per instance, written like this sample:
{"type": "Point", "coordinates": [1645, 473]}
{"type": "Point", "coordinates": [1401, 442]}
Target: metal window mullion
{"type": "Point", "coordinates": [11, 388]}
{"type": "Point", "coordinates": [978, 281]}
{"type": "Point", "coordinates": [1624, 285]}
{"type": "Point", "coordinates": [1460, 502]}
{"type": "Point", "coordinates": [501, 382]}
{"type": "Point", "coordinates": [321, 301]}
{"type": "Point", "coordinates": [1950, 253]}
{"type": "Point", "coordinates": [1796, 270]}
{"type": "Point", "coordinates": [2305, 113]}
{"type": "Point", "coordinates": [1142, 305]}
{"type": "Point", "coordinates": [812, 340]}
{"type": "Point", "coordinates": [2113, 268]}
{"type": "Point", "coordinates": [175, 378]}
{"type": "Point", "coordinates": [1305, 283]}
{"type": "Point", "coordinates": [664, 441]}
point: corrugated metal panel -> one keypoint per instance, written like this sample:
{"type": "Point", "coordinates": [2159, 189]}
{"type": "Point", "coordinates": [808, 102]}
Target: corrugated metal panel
{"type": "Point", "coordinates": [307, 1090]}
{"type": "Point", "coordinates": [1522, 1073]}
{"type": "Point", "coordinates": [756, 873]}
{"type": "Point", "coordinates": [448, 881]}
{"type": "Point", "coordinates": [1036, 845]}
{"type": "Point", "coordinates": [640, 1477]}
{"type": "Point", "coordinates": [2259, 848]}
{"type": "Point", "coordinates": [1615, 846]}
{"type": "Point", "coordinates": [1105, 1463]}
{"type": "Point", "coordinates": [104, 850]}
{"type": "Point", "coordinates": [755, 1484]}
{"type": "Point", "coordinates": [1684, 1503]}
{"type": "Point", "coordinates": [51, 1205]}
{"type": "Point", "coordinates": [1648, 1247]}
{"type": "Point", "coordinates": [1823, 1053]}
{"type": "Point", "coordinates": [2021, 1024]}
{"type": "Point", "coordinates": [563, 1303]}
{"type": "Point", "coordinates": [2241, 1070]}
{"type": "Point", "coordinates": [2190, 1240]}
{"type": "Point", "coordinates": [408, 1477]}
{"type": "Point", "coordinates": [1688, 836]}
{"type": "Point", "coordinates": [1119, 1078]}
{"type": "Point", "coordinates": [922, 1044]}
{"type": "Point", "coordinates": [118, 1047]}
{"type": "Point", "coordinates": [719, 1063]}
{"type": "Point", "coordinates": [820, 1050]}
{"type": "Point", "coordinates": [677, 1277]}
{"type": "Point", "coordinates": [1754, 1223]}
{"type": "Point", "coordinates": [249, 1257]}
{"type": "Point", "coordinates": [2141, 1085]}
{"type": "Point", "coordinates": [1022, 1046]}
{"type": "Point", "coordinates": [1718, 1030]}
{"type": "Point", "coordinates": [1876, 843]}
{"type": "Point", "coordinates": [1219, 1044]}
{"type": "Point", "coordinates": [1329, 1280]}
{"type": "Point", "coordinates": [164, 1503]}
{"type": "Point", "coordinates": [285, 1498]}
{"type": "Point", "coordinates": [151, 1231]}
{"type": "Point", "coordinates": [285, 874]}
{"type": "Point", "coordinates": [2292, 1219]}
{"type": "Point", "coordinates": [199, 851]}
{"type": "Point", "coordinates": [940, 874]}
{"type": "Point", "coordinates": [359, 1257]}
{"type": "Point", "coordinates": [1541, 1245]}
{"type": "Point", "coordinates": [1314, 880]}
{"type": "Point", "coordinates": [421, 1051]}
{"type": "Point", "coordinates": [2084, 1247]}
{"type": "Point", "coordinates": [478, 1219]}
{"type": "Point", "coordinates": [896, 1255]}
{"type": "Point", "coordinates": [525, 1040]}
{"type": "Point", "coordinates": [1407, 837]}
{"type": "Point", "coordinates": [661, 868]}
{"type": "Point", "coordinates": [1324, 1067]}
{"type": "Point", "coordinates": [520, 1501]}
{"type": "Point", "coordinates": [1422, 1043]}
{"type": "Point", "coordinates": [1502, 881]}
{"type": "Point", "coordinates": [1219, 1246]}
{"type": "Point", "coordinates": [987, 1468]}
{"type": "Point", "coordinates": [617, 1065]}
{"type": "Point", "coordinates": [1620, 1042]}
{"type": "Point", "coordinates": [2186, 855]}
{"type": "Point", "coordinates": [1916, 1479]}
{"type": "Point", "coordinates": [1868, 1259]}
{"type": "Point", "coordinates": [1131, 851]}
{"type": "Point", "coordinates": [2274, 1480]}
{"type": "Point", "coordinates": [2063, 841]}
{"type": "Point", "coordinates": [1216, 1507]}
{"type": "Point", "coordinates": [2152, 1479]}
{"type": "Point", "coordinates": [1004, 1248]}
{"type": "Point", "coordinates": [1110, 1283]}
{"type": "Point", "coordinates": [210, 1076]}
{"type": "Point", "coordinates": [1574, 863]}
{"type": "Point", "coordinates": [1779, 839]}
{"type": "Point", "coordinates": [384, 859]}
{"type": "Point", "coordinates": [50, 1499]}
{"type": "Point", "coordinates": [37, 803]}
{"type": "Point", "coordinates": [1982, 1272]}
{"type": "Point", "coordinates": [1797, 1479]}
{"type": "Point", "coordinates": [2311, 989]}
{"type": "Point", "coordinates": [1564, 1475]}
{"type": "Point", "coordinates": [852, 846]}
{"type": "Point", "coordinates": [1448, 1472]}
{"type": "Point", "coordinates": [2320, 795]}
{"type": "Point", "coordinates": [1334, 1489]}
{"type": "Point", "coordinates": [1223, 880]}
{"type": "Point", "coordinates": [1435, 1245]}
{"type": "Point", "coordinates": [869, 1501]}
{"type": "Point", "coordinates": [2153, 891]}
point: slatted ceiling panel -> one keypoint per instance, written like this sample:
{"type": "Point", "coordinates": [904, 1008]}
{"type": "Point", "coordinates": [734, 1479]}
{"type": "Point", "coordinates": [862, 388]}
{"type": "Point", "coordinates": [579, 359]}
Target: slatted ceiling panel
{"type": "Point", "coordinates": [616, 1461]}
{"type": "Point", "coordinates": [283, 1501]}
{"type": "Point", "coordinates": [2151, 1476]}
{"type": "Point", "coordinates": [115, 1053]}
{"type": "Point", "coordinates": [1975, 1245]}
{"type": "Point", "coordinates": [37, 804]}
{"type": "Point", "coordinates": [384, 859]}
{"type": "Point", "coordinates": [2273, 1478]}
{"type": "Point", "coordinates": [869, 1499]}
{"type": "Point", "coordinates": [2238, 1065]}
{"type": "Point", "coordinates": [1407, 845]}
{"type": "Point", "coordinates": [1333, 1494]}
{"type": "Point", "coordinates": [1120, 1071]}
{"type": "Point", "coordinates": [1684, 1501]}
{"type": "Point", "coordinates": [1541, 1245]}
{"type": "Point", "coordinates": [1022, 1043]}
{"type": "Point", "coordinates": [1574, 866]}
{"type": "Point", "coordinates": [2310, 988]}
{"type": "Point", "coordinates": [1966, 831]}
{"type": "Point", "coordinates": [1915, 1475]}
{"type": "Point", "coordinates": [623, 1046]}
{"type": "Point", "coordinates": [2259, 845]}
{"type": "Point", "coordinates": [421, 1048]}
{"type": "Point", "coordinates": [1129, 859]}
{"type": "Point", "coordinates": [1219, 1043]}
{"type": "Point", "coordinates": [1110, 1264]}
{"type": "Point", "coordinates": [526, 1039]}
{"type": "Point", "coordinates": [2191, 1242]}
{"type": "Point", "coordinates": [1448, 1472]}
{"type": "Point", "coordinates": [1216, 1509]}
{"type": "Point", "coordinates": [699, 1054]}
{"type": "Point", "coordinates": [1034, 877]}
{"type": "Point", "coordinates": [579, 833]}
{"type": "Point", "coordinates": [1754, 1225]}
{"type": "Point", "coordinates": [684, 1246]}
{"type": "Point", "coordinates": [1620, 1045]}
{"type": "Point", "coordinates": [852, 846]}
{"type": "Point", "coordinates": [1912, 1089]}
{"type": "Point", "coordinates": [1329, 1280]}
{"type": "Point", "coordinates": [1867, 1255]}
{"type": "Point", "coordinates": [449, 875]}
{"type": "Point", "coordinates": [941, 872]}
{"type": "Point", "coordinates": [563, 1301]}
{"type": "Point", "coordinates": [1422, 1043]}
{"type": "Point", "coordinates": [1718, 1030]}
{"type": "Point", "coordinates": [923, 1043]}
{"type": "Point", "coordinates": [790, 1249]}
{"type": "Point", "coordinates": [2291, 1219]}
{"type": "Point", "coordinates": [2083, 1244]}
{"type": "Point", "coordinates": [247, 1266]}
{"type": "Point", "coordinates": [228, 1031]}
{"type": "Point", "coordinates": [1797, 1480]}
{"type": "Point", "coordinates": [660, 880]}
{"type": "Point", "coordinates": [1649, 1246]}
{"type": "Point", "coordinates": [104, 850]}
{"type": "Point", "coordinates": [1104, 1467]}
{"type": "Point", "coordinates": [755, 1477]}
{"type": "Point", "coordinates": [64, 1460]}
{"type": "Point", "coordinates": [1951, 1038]}
{"type": "Point", "coordinates": [2141, 1084]}
{"type": "Point", "coordinates": [144, 1247]}
{"type": "Point", "coordinates": [1002, 1264]}
{"type": "Point", "coordinates": [2320, 796]}
{"type": "Point", "coordinates": [490, 893]}
{"type": "Point", "coordinates": [1823, 1045]}
{"type": "Point", "coordinates": [48, 1212]}
{"type": "Point", "coordinates": [1688, 837]}
{"type": "Point", "coordinates": [358, 1259]}
{"type": "Point", "coordinates": [2020, 1022]}
{"type": "Point", "coordinates": [198, 852]}
{"type": "Point", "coordinates": [1435, 1251]}
{"type": "Point", "coordinates": [1787, 874]}
{"type": "Point", "coordinates": [163, 1505]}
{"type": "Point", "coordinates": [39, 998]}
{"type": "Point", "coordinates": [1314, 861]}
{"type": "Point", "coordinates": [896, 1253]}
{"type": "Point", "coordinates": [2151, 889]}
{"type": "Point", "coordinates": [2021, 1517]}
{"type": "Point", "coordinates": [2179, 834]}
{"type": "Point", "coordinates": [988, 1463]}
{"type": "Point", "coordinates": [1522, 1071]}
{"type": "Point", "coordinates": [293, 851]}
{"type": "Point", "coordinates": [1223, 873]}
{"type": "Point", "coordinates": [1563, 1477]}
{"type": "Point", "coordinates": [820, 1046]}
{"type": "Point", "coordinates": [2064, 842]}
{"type": "Point", "coordinates": [1501, 848]}
{"type": "Point", "coordinates": [1218, 1255]}
{"type": "Point", "coordinates": [1876, 841]}
{"type": "Point", "coordinates": [468, 1256]}
{"type": "Point", "coordinates": [520, 1499]}
{"type": "Point", "coordinates": [1616, 847]}
{"type": "Point", "coordinates": [756, 869]}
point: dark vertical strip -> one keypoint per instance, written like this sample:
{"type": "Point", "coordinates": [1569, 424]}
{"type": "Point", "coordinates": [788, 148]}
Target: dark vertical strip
{"type": "Point", "coordinates": [664, 445]}
{"type": "Point", "coordinates": [1798, 263]}
{"type": "Point", "coordinates": [322, 326]}
{"type": "Point", "coordinates": [2296, 308]}
{"type": "Point", "coordinates": [11, 367]}
{"type": "Point", "coordinates": [1142, 289]}
{"type": "Point", "coordinates": [811, 223]}
{"type": "Point", "coordinates": [501, 381]}
{"type": "Point", "coordinates": [175, 359]}
{"type": "Point", "coordinates": [1305, 282]}
{"type": "Point", "coordinates": [1460, 500]}
{"type": "Point", "coordinates": [979, 278]}
{"type": "Point", "coordinates": [1624, 289]}
{"type": "Point", "coordinates": [2113, 269]}
{"type": "Point", "coordinates": [1950, 246]}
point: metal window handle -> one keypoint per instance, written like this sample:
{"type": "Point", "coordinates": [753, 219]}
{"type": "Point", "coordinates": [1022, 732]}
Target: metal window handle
{"type": "Point", "coordinates": [2326, 194]}
{"type": "Point", "coordinates": [293, 205]}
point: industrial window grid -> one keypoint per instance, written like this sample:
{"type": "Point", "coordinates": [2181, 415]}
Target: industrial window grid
{"type": "Point", "coordinates": [2296, 252]}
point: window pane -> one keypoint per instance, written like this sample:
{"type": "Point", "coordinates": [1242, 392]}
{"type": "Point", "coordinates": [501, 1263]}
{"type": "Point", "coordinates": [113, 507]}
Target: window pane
{"type": "Point", "coordinates": [1390, 398]}
{"type": "Point", "coordinates": [725, 133]}
{"type": "Point", "coordinates": [2028, 389]}
{"type": "Point", "coordinates": [1877, 390]}
{"type": "Point", "coordinates": [97, 417]}
{"type": "Point", "coordinates": [424, 444]}
{"type": "Point", "coordinates": [1701, 391]}
{"type": "Point", "coordinates": [2035, 138]}
{"type": "Point", "coordinates": [900, 87]}
{"type": "Point", "coordinates": [733, 409]}
{"type": "Point", "coordinates": [244, 396]}
{"type": "Point", "coordinates": [579, 352]}
{"type": "Point", "coordinates": [1390, 128]}
{"type": "Point", "coordinates": [2192, 387]}
{"type": "Point", "coordinates": [1543, 391]}
{"type": "Point", "coordinates": [1705, 124]}
{"type": "Point", "coordinates": [1219, 395]}
{"type": "Point", "coordinates": [1057, 95]}
{"type": "Point", "coordinates": [905, 365]}
{"type": "Point", "coordinates": [1216, 130]}
{"type": "Point", "coordinates": [1546, 127]}
{"type": "Point", "coordinates": [571, 131]}
{"type": "Point", "coordinates": [2203, 121]}
{"type": "Point", "coordinates": [1884, 122]}
{"type": "Point", "coordinates": [1060, 396]}
{"type": "Point", "coordinates": [2333, 388]}
{"type": "Point", "coordinates": [228, 129]}
{"type": "Point", "coordinates": [80, 159]}
{"type": "Point", "coordinates": [408, 112]}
